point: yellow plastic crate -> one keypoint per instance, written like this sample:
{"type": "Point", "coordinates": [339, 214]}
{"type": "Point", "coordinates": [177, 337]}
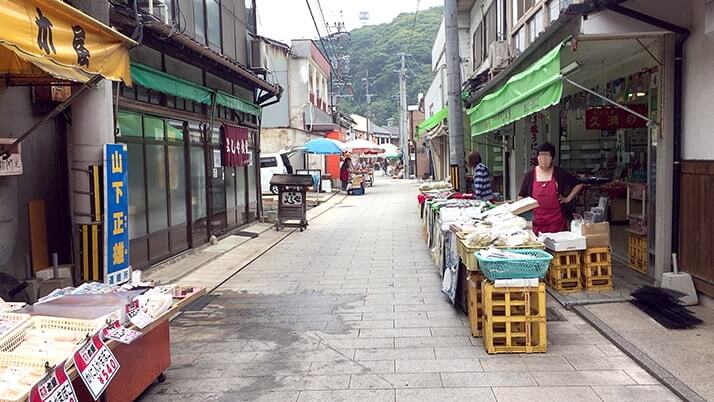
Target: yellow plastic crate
{"type": "Point", "coordinates": [15, 318]}
{"type": "Point", "coordinates": [564, 279]}
{"type": "Point", "coordinates": [475, 303]}
{"type": "Point", "coordinates": [514, 319]}
{"type": "Point", "coordinates": [639, 260]}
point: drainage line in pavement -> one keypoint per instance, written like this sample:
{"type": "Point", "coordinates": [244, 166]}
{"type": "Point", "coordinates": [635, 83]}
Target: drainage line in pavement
{"type": "Point", "coordinates": [660, 373]}
{"type": "Point", "coordinates": [199, 300]}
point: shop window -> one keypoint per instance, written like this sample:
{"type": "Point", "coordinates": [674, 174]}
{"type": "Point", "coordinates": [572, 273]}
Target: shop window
{"type": "Point", "coordinates": [156, 181]}
{"type": "Point", "coordinates": [174, 130]}
{"type": "Point", "coordinates": [153, 128]}
{"type": "Point", "coordinates": [199, 21]}
{"type": "Point", "coordinates": [142, 94]}
{"type": "Point", "coordinates": [137, 191]}
{"type": "Point", "coordinates": [215, 135]}
{"type": "Point", "coordinates": [230, 187]}
{"type": "Point", "coordinates": [539, 21]}
{"type": "Point", "coordinates": [171, 101]}
{"type": "Point", "coordinates": [177, 184]}
{"type": "Point", "coordinates": [477, 42]}
{"type": "Point", "coordinates": [129, 124]}
{"type": "Point", "coordinates": [240, 193]}
{"type": "Point", "coordinates": [195, 133]}
{"type": "Point", "coordinates": [154, 97]}
{"type": "Point", "coordinates": [531, 30]}
{"type": "Point", "coordinates": [180, 103]}
{"type": "Point", "coordinates": [553, 10]}
{"type": "Point", "coordinates": [213, 19]}
{"type": "Point", "coordinates": [198, 183]}
{"type": "Point", "coordinates": [520, 40]}
{"type": "Point", "coordinates": [490, 27]}
{"type": "Point", "coordinates": [252, 194]}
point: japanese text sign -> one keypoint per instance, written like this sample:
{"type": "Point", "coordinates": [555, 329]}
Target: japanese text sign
{"type": "Point", "coordinates": [116, 214]}
{"type": "Point", "coordinates": [235, 146]}
{"type": "Point", "coordinates": [137, 314]}
{"type": "Point", "coordinates": [613, 118]}
{"type": "Point", "coordinates": [117, 332]}
{"type": "Point", "coordinates": [55, 387]}
{"type": "Point", "coordinates": [12, 165]}
{"type": "Point", "coordinates": [96, 365]}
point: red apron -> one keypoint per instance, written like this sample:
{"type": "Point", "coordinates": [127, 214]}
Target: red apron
{"type": "Point", "coordinates": [547, 218]}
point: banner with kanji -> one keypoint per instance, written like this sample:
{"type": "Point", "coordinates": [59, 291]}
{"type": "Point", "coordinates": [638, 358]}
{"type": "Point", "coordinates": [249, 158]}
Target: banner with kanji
{"type": "Point", "coordinates": [613, 118]}
{"type": "Point", "coordinates": [235, 146]}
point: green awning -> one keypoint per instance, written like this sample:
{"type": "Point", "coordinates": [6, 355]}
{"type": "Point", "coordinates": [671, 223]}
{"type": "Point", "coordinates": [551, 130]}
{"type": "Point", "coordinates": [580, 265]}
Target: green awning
{"type": "Point", "coordinates": [532, 90]}
{"type": "Point", "coordinates": [431, 122]}
{"type": "Point", "coordinates": [169, 84]}
{"type": "Point", "coordinates": [235, 103]}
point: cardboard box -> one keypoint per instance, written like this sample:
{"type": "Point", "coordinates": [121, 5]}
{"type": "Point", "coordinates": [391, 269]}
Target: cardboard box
{"type": "Point", "coordinates": [563, 241]}
{"type": "Point", "coordinates": [596, 234]}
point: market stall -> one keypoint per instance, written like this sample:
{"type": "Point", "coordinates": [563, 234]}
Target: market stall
{"type": "Point", "coordinates": [88, 342]}
{"type": "Point", "coordinates": [492, 266]}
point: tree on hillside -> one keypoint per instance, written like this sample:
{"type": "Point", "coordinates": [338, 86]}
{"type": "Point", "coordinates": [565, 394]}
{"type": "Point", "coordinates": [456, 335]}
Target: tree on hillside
{"type": "Point", "coordinates": [374, 49]}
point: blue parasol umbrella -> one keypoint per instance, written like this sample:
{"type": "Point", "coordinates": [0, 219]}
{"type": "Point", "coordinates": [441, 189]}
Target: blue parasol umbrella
{"type": "Point", "coordinates": [322, 146]}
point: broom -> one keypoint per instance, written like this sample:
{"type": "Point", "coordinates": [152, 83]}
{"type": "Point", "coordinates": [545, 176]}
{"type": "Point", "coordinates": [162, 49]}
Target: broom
{"type": "Point", "coordinates": [663, 306]}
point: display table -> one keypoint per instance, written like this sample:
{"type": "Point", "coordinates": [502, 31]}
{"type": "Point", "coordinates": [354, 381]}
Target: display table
{"type": "Point", "coordinates": [141, 362]}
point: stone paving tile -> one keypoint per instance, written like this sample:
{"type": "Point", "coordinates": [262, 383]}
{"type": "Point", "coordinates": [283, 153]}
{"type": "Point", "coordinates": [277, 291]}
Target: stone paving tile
{"type": "Point", "coordinates": [428, 323]}
{"type": "Point", "coordinates": [576, 378]}
{"type": "Point", "coordinates": [460, 352]}
{"type": "Point", "coordinates": [394, 333]}
{"type": "Point", "coordinates": [438, 366]}
{"type": "Point", "coordinates": [488, 379]}
{"type": "Point", "coordinates": [550, 394]}
{"type": "Point", "coordinates": [259, 369]}
{"type": "Point", "coordinates": [353, 367]}
{"type": "Point", "coordinates": [436, 341]}
{"type": "Point", "coordinates": [395, 354]}
{"type": "Point", "coordinates": [347, 396]}
{"type": "Point", "coordinates": [603, 363]}
{"type": "Point", "coordinates": [529, 363]}
{"type": "Point", "coordinates": [395, 381]}
{"type": "Point", "coordinates": [635, 393]}
{"type": "Point", "coordinates": [267, 396]}
{"type": "Point", "coordinates": [446, 394]}
{"type": "Point", "coordinates": [642, 377]}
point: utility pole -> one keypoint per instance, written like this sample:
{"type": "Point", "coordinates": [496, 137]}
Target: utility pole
{"type": "Point", "coordinates": [453, 78]}
{"type": "Point", "coordinates": [403, 130]}
{"type": "Point", "coordinates": [369, 98]}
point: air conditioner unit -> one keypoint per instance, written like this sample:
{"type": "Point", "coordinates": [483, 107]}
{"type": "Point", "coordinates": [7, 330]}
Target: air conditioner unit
{"type": "Point", "coordinates": [258, 60]}
{"type": "Point", "coordinates": [499, 54]}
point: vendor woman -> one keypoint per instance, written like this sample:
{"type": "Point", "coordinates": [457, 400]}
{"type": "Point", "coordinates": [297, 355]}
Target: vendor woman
{"type": "Point", "coordinates": [554, 189]}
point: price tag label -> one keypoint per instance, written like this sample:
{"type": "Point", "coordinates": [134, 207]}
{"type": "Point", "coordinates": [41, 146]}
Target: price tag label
{"type": "Point", "coordinates": [55, 387]}
{"type": "Point", "coordinates": [96, 365]}
{"type": "Point", "coordinates": [120, 333]}
{"type": "Point", "coordinates": [137, 315]}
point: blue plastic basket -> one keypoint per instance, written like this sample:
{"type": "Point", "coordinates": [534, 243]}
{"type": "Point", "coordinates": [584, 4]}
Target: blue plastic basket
{"type": "Point", "coordinates": [499, 268]}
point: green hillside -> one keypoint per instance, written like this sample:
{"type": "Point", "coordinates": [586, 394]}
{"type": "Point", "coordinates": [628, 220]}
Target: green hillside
{"type": "Point", "coordinates": [374, 48]}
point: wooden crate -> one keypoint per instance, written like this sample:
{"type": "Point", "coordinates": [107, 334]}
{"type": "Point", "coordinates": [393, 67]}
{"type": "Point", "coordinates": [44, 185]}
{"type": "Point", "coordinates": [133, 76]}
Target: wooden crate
{"type": "Point", "coordinates": [597, 269]}
{"type": "Point", "coordinates": [566, 258]}
{"type": "Point", "coordinates": [514, 319]}
{"type": "Point", "coordinates": [597, 255]}
{"type": "Point", "coordinates": [475, 303]}
{"type": "Point", "coordinates": [513, 303]}
{"type": "Point", "coordinates": [515, 337]}
{"type": "Point", "coordinates": [639, 260]}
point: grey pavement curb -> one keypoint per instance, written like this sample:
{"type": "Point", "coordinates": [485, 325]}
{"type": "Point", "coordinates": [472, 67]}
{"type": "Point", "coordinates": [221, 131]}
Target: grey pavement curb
{"type": "Point", "coordinates": [570, 304]}
{"type": "Point", "coordinates": [660, 373]}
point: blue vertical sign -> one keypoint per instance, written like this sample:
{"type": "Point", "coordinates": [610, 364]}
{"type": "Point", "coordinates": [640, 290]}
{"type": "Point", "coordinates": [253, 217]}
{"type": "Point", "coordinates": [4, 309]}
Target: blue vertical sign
{"type": "Point", "coordinates": [116, 214]}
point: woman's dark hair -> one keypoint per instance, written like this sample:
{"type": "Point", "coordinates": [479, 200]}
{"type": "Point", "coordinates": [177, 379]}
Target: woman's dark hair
{"type": "Point", "coordinates": [546, 147]}
{"type": "Point", "coordinates": [474, 158]}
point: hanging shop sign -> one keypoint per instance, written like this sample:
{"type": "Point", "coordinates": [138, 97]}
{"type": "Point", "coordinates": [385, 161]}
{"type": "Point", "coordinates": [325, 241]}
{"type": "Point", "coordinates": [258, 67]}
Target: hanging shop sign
{"type": "Point", "coordinates": [12, 165]}
{"type": "Point", "coordinates": [235, 146]}
{"type": "Point", "coordinates": [55, 387]}
{"type": "Point", "coordinates": [96, 365]}
{"type": "Point", "coordinates": [116, 214]}
{"type": "Point", "coordinates": [613, 118]}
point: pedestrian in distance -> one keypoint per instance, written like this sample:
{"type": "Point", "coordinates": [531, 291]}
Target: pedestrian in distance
{"type": "Point", "coordinates": [555, 190]}
{"type": "Point", "coordinates": [345, 173]}
{"type": "Point", "coordinates": [482, 177]}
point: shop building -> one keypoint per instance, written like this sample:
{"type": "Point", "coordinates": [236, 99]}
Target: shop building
{"type": "Point", "coordinates": [190, 123]}
{"type": "Point", "coordinates": [617, 87]}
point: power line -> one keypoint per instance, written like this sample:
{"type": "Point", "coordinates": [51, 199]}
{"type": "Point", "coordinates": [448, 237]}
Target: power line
{"type": "Point", "coordinates": [411, 35]}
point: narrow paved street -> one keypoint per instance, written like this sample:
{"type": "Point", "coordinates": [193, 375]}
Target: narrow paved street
{"type": "Point", "coordinates": [351, 309]}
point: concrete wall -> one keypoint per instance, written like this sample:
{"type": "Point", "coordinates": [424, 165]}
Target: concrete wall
{"type": "Point", "coordinates": [698, 108]}
{"type": "Point", "coordinates": [437, 50]}
{"type": "Point", "coordinates": [277, 115]}
{"type": "Point", "coordinates": [44, 177]}
{"type": "Point", "coordinates": [298, 76]}
{"type": "Point", "coordinates": [278, 139]}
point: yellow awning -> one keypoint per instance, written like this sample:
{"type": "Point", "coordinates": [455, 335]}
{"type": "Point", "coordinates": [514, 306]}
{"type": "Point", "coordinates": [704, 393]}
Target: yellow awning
{"type": "Point", "coordinates": [40, 37]}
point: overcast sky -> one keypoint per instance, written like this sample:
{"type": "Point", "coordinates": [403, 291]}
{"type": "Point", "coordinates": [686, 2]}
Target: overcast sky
{"type": "Point", "coordinates": [284, 20]}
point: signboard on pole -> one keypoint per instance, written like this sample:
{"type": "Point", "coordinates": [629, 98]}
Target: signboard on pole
{"type": "Point", "coordinates": [116, 214]}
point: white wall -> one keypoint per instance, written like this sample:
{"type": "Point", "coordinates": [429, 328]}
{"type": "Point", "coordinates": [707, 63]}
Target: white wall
{"type": "Point", "coordinates": [698, 107]}
{"type": "Point", "coordinates": [439, 47]}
